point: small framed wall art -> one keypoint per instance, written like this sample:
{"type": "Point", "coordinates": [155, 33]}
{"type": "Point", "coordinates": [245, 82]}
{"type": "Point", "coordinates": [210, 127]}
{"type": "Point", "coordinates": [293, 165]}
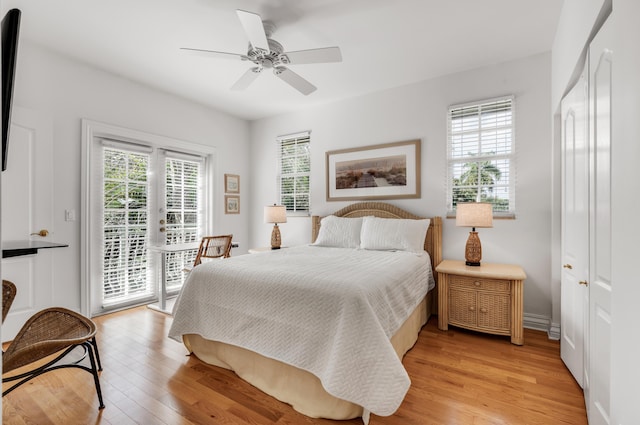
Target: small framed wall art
{"type": "Point", "coordinates": [231, 183]}
{"type": "Point", "coordinates": [231, 204]}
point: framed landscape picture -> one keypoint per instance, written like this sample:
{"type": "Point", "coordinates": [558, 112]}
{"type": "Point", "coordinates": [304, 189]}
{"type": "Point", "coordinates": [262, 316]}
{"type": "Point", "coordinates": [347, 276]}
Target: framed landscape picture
{"type": "Point", "coordinates": [231, 204]}
{"type": "Point", "coordinates": [386, 171]}
{"type": "Point", "coordinates": [231, 183]}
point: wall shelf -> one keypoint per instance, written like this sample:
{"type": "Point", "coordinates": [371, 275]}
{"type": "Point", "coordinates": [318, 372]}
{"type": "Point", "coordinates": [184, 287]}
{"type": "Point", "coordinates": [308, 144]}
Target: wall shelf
{"type": "Point", "coordinates": [18, 248]}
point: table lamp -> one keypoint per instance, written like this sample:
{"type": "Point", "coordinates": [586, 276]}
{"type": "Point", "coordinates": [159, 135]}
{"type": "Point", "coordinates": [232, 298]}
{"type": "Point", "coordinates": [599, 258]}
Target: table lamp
{"type": "Point", "coordinates": [474, 214]}
{"type": "Point", "coordinates": [275, 214]}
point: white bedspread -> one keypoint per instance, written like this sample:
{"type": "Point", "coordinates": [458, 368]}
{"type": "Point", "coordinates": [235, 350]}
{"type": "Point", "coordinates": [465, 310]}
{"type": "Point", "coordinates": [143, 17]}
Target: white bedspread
{"type": "Point", "coordinates": [329, 311]}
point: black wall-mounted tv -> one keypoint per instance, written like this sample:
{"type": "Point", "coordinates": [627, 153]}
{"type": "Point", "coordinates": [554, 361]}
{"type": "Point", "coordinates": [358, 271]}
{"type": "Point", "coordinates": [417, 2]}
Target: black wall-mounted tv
{"type": "Point", "coordinates": [10, 32]}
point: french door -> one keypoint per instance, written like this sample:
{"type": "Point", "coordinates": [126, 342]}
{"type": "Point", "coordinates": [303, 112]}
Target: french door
{"type": "Point", "coordinates": [141, 195]}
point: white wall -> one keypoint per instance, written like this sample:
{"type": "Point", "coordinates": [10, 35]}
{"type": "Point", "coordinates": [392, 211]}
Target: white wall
{"type": "Point", "coordinates": [68, 91]}
{"type": "Point", "coordinates": [578, 18]}
{"type": "Point", "coordinates": [419, 111]}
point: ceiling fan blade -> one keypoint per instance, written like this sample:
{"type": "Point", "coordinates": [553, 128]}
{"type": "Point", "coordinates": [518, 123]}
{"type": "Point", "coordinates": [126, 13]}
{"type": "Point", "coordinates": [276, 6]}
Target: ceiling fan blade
{"type": "Point", "coordinates": [294, 80]}
{"type": "Point", "coordinates": [247, 78]}
{"type": "Point", "coordinates": [323, 55]}
{"type": "Point", "coordinates": [252, 24]}
{"type": "Point", "coordinates": [213, 53]}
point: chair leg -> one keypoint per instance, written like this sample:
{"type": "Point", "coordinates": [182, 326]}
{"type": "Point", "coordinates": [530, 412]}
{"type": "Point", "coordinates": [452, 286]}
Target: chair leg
{"type": "Point", "coordinates": [95, 347]}
{"type": "Point", "coordinates": [94, 369]}
{"type": "Point", "coordinates": [52, 365]}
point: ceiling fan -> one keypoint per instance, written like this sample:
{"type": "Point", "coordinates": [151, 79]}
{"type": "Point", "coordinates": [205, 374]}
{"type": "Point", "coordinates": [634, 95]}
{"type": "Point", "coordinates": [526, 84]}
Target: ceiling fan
{"type": "Point", "coordinates": [267, 53]}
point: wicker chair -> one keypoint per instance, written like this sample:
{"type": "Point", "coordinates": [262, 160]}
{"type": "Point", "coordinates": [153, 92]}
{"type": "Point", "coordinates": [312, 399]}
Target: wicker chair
{"type": "Point", "coordinates": [8, 295]}
{"type": "Point", "coordinates": [212, 247]}
{"type": "Point", "coordinates": [48, 332]}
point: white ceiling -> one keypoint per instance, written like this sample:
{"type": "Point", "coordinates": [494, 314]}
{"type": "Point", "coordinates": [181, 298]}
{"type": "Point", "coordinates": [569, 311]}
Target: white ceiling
{"type": "Point", "coordinates": [384, 43]}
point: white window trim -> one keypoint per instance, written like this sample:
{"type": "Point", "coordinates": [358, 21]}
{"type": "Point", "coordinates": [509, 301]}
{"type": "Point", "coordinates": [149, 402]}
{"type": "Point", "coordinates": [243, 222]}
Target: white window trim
{"type": "Point", "coordinates": [511, 214]}
{"type": "Point", "coordinates": [279, 139]}
{"type": "Point", "coordinates": [92, 132]}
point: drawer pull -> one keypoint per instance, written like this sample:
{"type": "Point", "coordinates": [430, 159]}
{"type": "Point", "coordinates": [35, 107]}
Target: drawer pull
{"type": "Point", "coordinates": [472, 308]}
{"type": "Point", "coordinates": [477, 283]}
{"type": "Point", "coordinates": [483, 310]}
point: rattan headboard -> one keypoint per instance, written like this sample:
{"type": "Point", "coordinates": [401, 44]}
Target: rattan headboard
{"type": "Point", "coordinates": [432, 243]}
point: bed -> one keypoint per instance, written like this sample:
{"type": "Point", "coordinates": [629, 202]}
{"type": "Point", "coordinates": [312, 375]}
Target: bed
{"type": "Point", "coordinates": [340, 356]}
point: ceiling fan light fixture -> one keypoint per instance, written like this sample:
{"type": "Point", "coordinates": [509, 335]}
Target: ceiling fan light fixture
{"type": "Point", "coordinates": [265, 52]}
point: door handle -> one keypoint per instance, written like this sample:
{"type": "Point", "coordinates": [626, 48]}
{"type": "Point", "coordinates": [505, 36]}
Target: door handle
{"type": "Point", "coordinates": [43, 233]}
{"type": "Point", "coordinates": [584, 282]}
{"type": "Point", "coordinates": [568, 266]}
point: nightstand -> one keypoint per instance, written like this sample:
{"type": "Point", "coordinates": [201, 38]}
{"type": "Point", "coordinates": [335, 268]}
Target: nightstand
{"type": "Point", "coordinates": [487, 298]}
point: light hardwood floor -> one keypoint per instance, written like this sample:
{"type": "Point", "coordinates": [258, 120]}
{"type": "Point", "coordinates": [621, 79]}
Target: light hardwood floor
{"type": "Point", "coordinates": [458, 377]}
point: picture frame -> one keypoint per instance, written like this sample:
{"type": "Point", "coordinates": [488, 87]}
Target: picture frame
{"type": "Point", "coordinates": [231, 204]}
{"type": "Point", "coordinates": [385, 171]}
{"type": "Point", "coordinates": [231, 183]}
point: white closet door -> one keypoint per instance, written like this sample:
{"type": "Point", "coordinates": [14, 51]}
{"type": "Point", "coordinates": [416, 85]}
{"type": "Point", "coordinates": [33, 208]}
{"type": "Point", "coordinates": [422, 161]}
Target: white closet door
{"type": "Point", "coordinates": [575, 227]}
{"type": "Point", "coordinates": [600, 284]}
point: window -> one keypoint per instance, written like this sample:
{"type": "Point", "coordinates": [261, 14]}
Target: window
{"type": "Point", "coordinates": [127, 228]}
{"type": "Point", "coordinates": [481, 155]}
{"type": "Point", "coordinates": [126, 225]}
{"type": "Point", "coordinates": [295, 169]}
{"type": "Point", "coordinates": [184, 209]}
{"type": "Point", "coordinates": [139, 194]}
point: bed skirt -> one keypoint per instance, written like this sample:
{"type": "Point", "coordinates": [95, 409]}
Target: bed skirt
{"type": "Point", "coordinates": [294, 386]}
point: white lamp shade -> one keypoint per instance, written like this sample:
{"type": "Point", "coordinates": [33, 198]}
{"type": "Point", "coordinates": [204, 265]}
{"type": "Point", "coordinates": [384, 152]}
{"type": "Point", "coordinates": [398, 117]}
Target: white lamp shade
{"type": "Point", "coordinates": [474, 214]}
{"type": "Point", "coordinates": [275, 214]}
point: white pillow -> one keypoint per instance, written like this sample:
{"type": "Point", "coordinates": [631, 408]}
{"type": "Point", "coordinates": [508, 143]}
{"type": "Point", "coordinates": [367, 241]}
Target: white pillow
{"type": "Point", "coordinates": [339, 232]}
{"type": "Point", "coordinates": [392, 234]}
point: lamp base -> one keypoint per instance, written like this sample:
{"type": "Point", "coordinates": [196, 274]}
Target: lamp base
{"type": "Point", "coordinates": [275, 237]}
{"type": "Point", "coordinates": [473, 250]}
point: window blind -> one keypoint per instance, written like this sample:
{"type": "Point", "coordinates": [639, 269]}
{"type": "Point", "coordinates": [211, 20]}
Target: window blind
{"type": "Point", "coordinates": [183, 201]}
{"type": "Point", "coordinates": [481, 154]}
{"type": "Point", "coordinates": [125, 225]}
{"type": "Point", "coordinates": [294, 164]}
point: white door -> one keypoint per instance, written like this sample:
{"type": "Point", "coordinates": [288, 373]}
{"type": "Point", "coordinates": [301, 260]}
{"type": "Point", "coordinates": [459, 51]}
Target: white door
{"type": "Point", "coordinates": [600, 285]}
{"type": "Point", "coordinates": [575, 228]}
{"type": "Point", "coordinates": [27, 202]}
{"type": "Point", "coordinates": [143, 191]}
{"type": "Point", "coordinates": [149, 197]}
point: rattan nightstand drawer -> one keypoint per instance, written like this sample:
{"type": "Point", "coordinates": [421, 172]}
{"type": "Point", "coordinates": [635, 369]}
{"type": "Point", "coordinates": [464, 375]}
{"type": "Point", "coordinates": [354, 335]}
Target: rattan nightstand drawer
{"type": "Point", "coordinates": [462, 282]}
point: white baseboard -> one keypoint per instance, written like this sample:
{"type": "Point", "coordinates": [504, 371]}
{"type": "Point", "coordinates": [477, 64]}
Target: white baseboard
{"type": "Point", "coordinates": [554, 331]}
{"type": "Point", "coordinates": [541, 323]}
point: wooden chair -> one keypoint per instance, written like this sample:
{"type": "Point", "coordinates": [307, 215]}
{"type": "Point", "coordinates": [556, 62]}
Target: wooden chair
{"type": "Point", "coordinates": [212, 247]}
{"type": "Point", "coordinates": [48, 332]}
{"type": "Point", "coordinates": [8, 295]}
